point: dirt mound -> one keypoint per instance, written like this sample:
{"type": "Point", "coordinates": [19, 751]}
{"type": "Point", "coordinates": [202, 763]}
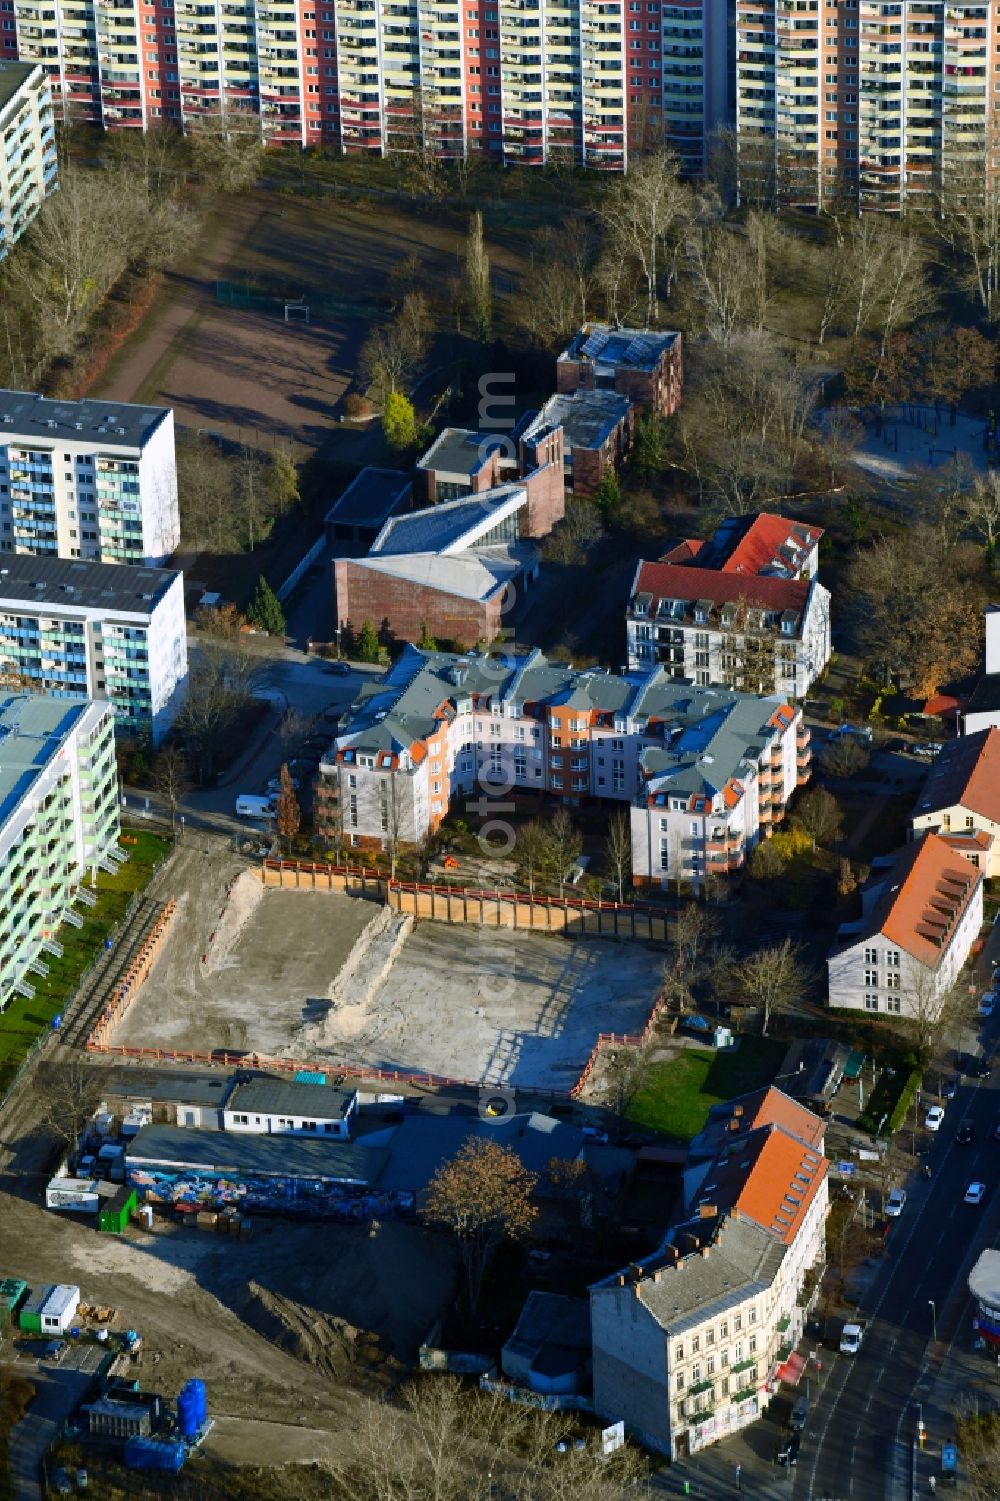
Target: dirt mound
{"type": "Point", "coordinates": [352, 1356]}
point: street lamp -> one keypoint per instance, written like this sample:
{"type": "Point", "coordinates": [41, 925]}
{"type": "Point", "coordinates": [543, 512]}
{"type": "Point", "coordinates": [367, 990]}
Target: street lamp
{"type": "Point", "coordinates": [933, 1308]}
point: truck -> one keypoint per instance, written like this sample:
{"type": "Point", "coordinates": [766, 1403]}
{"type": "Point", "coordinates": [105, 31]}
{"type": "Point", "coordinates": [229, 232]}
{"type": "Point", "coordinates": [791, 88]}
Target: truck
{"type": "Point", "coordinates": [852, 1337]}
{"type": "Point", "coordinates": [252, 807]}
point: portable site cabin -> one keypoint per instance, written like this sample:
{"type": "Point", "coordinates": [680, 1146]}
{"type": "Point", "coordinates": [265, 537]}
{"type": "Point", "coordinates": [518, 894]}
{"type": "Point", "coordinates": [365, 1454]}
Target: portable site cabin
{"type": "Point", "coordinates": [57, 1312]}
{"type": "Point", "coordinates": [30, 1317]}
{"type": "Point", "coordinates": [12, 1294]}
{"type": "Point", "coordinates": [117, 1211]}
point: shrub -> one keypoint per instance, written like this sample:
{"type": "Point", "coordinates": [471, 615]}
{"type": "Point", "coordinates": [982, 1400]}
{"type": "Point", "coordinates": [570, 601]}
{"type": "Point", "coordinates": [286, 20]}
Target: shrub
{"type": "Point", "coordinates": [356, 405]}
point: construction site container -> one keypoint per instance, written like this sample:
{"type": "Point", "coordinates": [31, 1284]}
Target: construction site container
{"type": "Point", "coordinates": [117, 1212]}
{"type": "Point", "coordinates": [30, 1316]}
{"type": "Point", "coordinates": [12, 1294]}
{"type": "Point", "coordinates": [154, 1454]}
{"type": "Point", "coordinates": [59, 1309]}
{"type": "Point", "coordinates": [114, 1418]}
{"type": "Point", "coordinates": [77, 1195]}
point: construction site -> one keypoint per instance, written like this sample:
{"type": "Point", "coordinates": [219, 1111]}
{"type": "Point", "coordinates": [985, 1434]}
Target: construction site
{"type": "Point", "coordinates": [340, 979]}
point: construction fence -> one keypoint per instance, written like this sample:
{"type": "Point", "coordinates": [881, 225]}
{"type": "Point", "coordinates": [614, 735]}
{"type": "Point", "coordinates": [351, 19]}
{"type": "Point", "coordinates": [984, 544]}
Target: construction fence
{"type": "Point", "coordinates": [574, 916]}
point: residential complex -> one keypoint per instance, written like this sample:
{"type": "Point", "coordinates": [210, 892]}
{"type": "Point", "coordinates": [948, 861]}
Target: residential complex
{"type": "Point", "coordinates": [71, 629]}
{"type": "Point", "coordinates": [875, 98]}
{"type": "Point", "coordinates": [961, 798]}
{"type": "Point", "coordinates": [461, 462]}
{"type": "Point", "coordinates": [922, 910]}
{"type": "Point", "coordinates": [878, 101]}
{"type": "Point", "coordinates": [706, 773]}
{"type": "Point", "coordinates": [690, 1342]}
{"type": "Point", "coordinates": [744, 609]}
{"type": "Point", "coordinates": [58, 820]}
{"type": "Point", "coordinates": [29, 167]}
{"type": "Point", "coordinates": [87, 479]}
{"type": "Point", "coordinates": [563, 82]}
{"type": "Point", "coordinates": [454, 570]}
{"type": "Point", "coordinates": [596, 428]}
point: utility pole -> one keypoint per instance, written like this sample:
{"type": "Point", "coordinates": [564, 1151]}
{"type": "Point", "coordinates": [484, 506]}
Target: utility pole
{"type": "Point", "coordinates": [933, 1308]}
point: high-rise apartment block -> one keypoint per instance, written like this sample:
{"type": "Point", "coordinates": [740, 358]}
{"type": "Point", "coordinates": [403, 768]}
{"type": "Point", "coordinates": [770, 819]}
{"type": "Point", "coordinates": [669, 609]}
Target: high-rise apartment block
{"type": "Point", "coordinates": [29, 169]}
{"type": "Point", "coordinates": [87, 479]}
{"type": "Point", "coordinates": [58, 819]}
{"type": "Point", "coordinates": [69, 628]}
{"type": "Point", "coordinates": [875, 97]}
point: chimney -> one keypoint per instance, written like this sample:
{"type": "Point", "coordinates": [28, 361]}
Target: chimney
{"type": "Point", "coordinates": [691, 1242]}
{"type": "Point", "coordinates": [635, 1271]}
{"type": "Point", "coordinates": [657, 1274]}
{"type": "Point", "coordinates": [705, 1250]}
{"type": "Point", "coordinates": [622, 1279]}
{"type": "Point", "coordinates": [708, 1211]}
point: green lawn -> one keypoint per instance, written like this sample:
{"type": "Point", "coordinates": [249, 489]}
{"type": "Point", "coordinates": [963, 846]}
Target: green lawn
{"type": "Point", "coordinates": [23, 1020]}
{"type": "Point", "coordinates": [677, 1096]}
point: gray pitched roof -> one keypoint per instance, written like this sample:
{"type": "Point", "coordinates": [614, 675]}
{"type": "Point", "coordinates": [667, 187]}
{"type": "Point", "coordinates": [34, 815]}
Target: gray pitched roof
{"type": "Point", "coordinates": [742, 1261]}
{"type": "Point", "coordinates": [286, 1097]}
{"type": "Point", "coordinates": [451, 526]}
{"type": "Point", "coordinates": [587, 418]}
{"type": "Point", "coordinates": [235, 1152]}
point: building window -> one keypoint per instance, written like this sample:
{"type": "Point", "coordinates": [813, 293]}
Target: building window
{"type": "Point", "coordinates": [871, 1002]}
{"type": "Point", "coordinates": [680, 1381]}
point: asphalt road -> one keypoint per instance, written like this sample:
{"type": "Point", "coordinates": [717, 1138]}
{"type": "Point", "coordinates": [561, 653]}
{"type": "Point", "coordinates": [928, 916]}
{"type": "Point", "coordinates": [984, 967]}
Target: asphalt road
{"type": "Point", "coordinates": [862, 1430]}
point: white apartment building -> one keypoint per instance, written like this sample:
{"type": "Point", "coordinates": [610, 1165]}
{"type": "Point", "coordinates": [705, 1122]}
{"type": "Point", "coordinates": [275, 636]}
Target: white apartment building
{"type": "Point", "coordinates": [744, 609]}
{"type": "Point", "coordinates": [960, 798]}
{"type": "Point", "coordinates": [29, 167]}
{"type": "Point", "coordinates": [922, 910]}
{"type": "Point", "coordinates": [58, 821]}
{"type": "Point", "coordinates": [72, 629]}
{"type": "Point", "coordinates": [873, 98]}
{"type": "Point", "coordinates": [88, 479]}
{"type": "Point", "coordinates": [689, 1343]}
{"type": "Point", "coordinates": [706, 773]}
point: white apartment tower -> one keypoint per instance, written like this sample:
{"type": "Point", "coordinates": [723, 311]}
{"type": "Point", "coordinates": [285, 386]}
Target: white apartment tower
{"type": "Point", "coordinates": [29, 169]}
{"type": "Point", "coordinates": [74, 629]}
{"type": "Point", "coordinates": [95, 480]}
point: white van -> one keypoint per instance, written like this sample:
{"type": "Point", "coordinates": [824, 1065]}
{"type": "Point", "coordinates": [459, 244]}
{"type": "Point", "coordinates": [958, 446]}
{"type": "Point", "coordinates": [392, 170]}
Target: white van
{"type": "Point", "coordinates": [252, 807]}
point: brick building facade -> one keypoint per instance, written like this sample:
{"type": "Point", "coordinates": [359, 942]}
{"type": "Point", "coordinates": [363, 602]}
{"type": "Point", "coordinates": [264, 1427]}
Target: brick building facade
{"type": "Point", "coordinates": [644, 366]}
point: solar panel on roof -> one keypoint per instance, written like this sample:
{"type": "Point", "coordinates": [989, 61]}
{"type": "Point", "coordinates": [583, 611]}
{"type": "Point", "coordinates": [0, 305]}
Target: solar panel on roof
{"type": "Point", "coordinates": [638, 352]}
{"type": "Point", "coordinates": [594, 343]}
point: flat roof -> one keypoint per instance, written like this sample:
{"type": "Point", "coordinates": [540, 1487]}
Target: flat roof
{"type": "Point", "coordinates": [13, 77]}
{"type": "Point", "coordinates": [984, 1279]}
{"type": "Point", "coordinates": [587, 418]}
{"type": "Point", "coordinates": [69, 582]}
{"type": "Point", "coordinates": [236, 1152]}
{"type": "Point", "coordinates": [459, 450]}
{"type": "Point", "coordinates": [171, 1086]}
{"type": "Point", "coordinates": [113, 424]}
{"type": "Point", "coordinates": [32, 729]}
{"type": "Point", "coordinates": [370, 498]}
{"type": "Point", "coordinates": [286, 1097]}
{"type": "Point", "coordinates": [63, 1296]}
{"type": "Point", "coordinates": [452, 526]}
{"type": "Point", "coordinates": [625, 348]}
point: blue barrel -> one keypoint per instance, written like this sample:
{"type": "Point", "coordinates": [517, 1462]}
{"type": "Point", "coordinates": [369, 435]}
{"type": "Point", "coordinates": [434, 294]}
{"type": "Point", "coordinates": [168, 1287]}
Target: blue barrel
{"type": "Point", "coordinates": [198, 1387]}
{"type": "Point", "coordinates": [187, 1411]}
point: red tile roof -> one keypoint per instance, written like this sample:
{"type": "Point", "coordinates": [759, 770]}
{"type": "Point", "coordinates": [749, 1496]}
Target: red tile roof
{"type": "Point", "coordinates": [680, 581]}
{"type": "Point", "coordinates": [966, 775]}
{"type": "Point", "coordinates": [930, 889]}
{"type": "Point", "coordinates": [684, 551]}
{"type": "Point", "coordinates": [781, 1183]}
{"type": "Point", "coordinates": [761, 545]}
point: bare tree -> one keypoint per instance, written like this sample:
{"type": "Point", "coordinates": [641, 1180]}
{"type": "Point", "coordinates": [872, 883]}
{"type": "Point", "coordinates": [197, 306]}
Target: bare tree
{"type": "Point", "coordinates": [696, 926]}
{"type": "Point", "coordinates": [227, 150]}
{"type": "Point", "coordinates": [773, 978]}
{"type": "Point", "coordinates": [484, 1196]}
{"type": "Point", "coordinates": [171, 778]}
{"type": "Point", "coordinates": [982, 505]}
{"type": "Point", "coordinates": [530, 852]}
{"type": "Point", "coordinates": [563, 847]}
{"type": "Point", "coordinates": [844, 757]}
{"type": "Point", "coordinates": [70, 1093]}
{"type": "Point", "coordinates": [968, 219]}
{"type": "Point", "coordinates": [618, 851]}
{"type": "Point", "coordinates": [478, 285]}
{"type": "Point", "coordinates": [220, 686]}
{"type": "Point", "coordinates": [642, 213]}
{"type": "Point", "coordinates": [818, 814]}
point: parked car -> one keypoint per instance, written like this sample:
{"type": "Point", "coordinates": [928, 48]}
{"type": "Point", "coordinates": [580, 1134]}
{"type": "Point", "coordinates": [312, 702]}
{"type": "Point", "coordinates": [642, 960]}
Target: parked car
{"type": "Point", "coordinates": [82, 1480]}
{"type": "Point", "coordinates": [987, 1003]}
{"type": "Point", "coordinates": [927, 750]}
{"type": "Point", "coordinates": [860, 732]}
{"type": "Point", "coordinates": [274, 785]}
{"type": "Point", "coordinates": [965, 1135]}
{"type": "Point", "coordinates": [340, 669]}
{"type": "Point", "coordinates": [934, 1117]}
{"type": "Point", "coordinates": [54, 1350]}
{"type": "Point", "coordinates": [978, 1068]}
{"type": "Point", "coordinates": [788, 1451]}
{"type": "Point", "coordinates": [800, 1414]}
{"type": "Point", "coordinates": [949, 1089]}
{"type": "Point", "coordinates": [60, 1483]}
{"type": "Point", "coordinates": [895, 1203]}
{"type": "Point", "coordinates": [852, 1338]}
{"type": "Point", "coordinates": [975, 1193]}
